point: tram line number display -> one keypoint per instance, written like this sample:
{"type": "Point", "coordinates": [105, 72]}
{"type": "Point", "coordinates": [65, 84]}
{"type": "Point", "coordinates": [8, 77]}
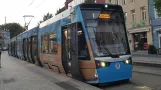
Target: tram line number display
{"type": "Point", "coordinates": [104, 16]}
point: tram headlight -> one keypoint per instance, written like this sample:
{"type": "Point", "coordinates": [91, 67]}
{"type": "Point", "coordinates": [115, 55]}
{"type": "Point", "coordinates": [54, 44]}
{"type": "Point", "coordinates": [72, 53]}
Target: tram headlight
{"type": "Point", "coordinates": [128, 61]}
{"type": "Point", "coordinates": [103, 64]}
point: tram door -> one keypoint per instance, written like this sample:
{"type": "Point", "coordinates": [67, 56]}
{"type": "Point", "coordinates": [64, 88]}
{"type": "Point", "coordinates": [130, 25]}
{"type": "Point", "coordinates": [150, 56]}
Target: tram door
{"type": "Point", "coordinates": [70, 51]}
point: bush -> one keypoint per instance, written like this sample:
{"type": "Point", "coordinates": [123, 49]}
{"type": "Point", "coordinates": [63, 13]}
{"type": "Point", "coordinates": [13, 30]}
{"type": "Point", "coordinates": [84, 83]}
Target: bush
{"type": "Point", "coordinates": [152, 49]}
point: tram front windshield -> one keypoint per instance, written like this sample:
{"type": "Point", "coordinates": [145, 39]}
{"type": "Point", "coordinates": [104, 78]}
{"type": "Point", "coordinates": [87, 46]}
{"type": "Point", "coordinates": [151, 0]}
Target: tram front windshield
{"type": "Point", "coordinates": [106, 32]}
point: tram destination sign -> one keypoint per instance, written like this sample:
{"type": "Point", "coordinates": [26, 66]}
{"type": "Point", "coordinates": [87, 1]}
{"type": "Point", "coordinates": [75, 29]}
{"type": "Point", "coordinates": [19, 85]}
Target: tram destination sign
{"type": "Point", "coordinates": [104, 16]}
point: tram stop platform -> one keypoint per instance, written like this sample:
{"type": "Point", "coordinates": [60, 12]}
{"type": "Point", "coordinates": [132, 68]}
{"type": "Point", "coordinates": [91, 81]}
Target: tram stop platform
{"type": "Point", "coordinates": [16, 74]}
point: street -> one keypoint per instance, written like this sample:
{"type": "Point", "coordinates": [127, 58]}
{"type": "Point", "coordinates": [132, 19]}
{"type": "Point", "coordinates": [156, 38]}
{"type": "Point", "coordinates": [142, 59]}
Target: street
{"type": "Point", "coordinates": [16, 74]}
{"type": "Point", "coordinates": [140, 81]}
{"type": "Point", "coordinates": [80, 45]}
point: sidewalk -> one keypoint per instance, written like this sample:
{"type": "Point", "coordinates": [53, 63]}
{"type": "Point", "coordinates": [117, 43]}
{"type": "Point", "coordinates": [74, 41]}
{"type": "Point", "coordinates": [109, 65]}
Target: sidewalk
{"type": "Point", "coordinates": [20, 75]}
{"type": "Point", "coordinates": [144, 53]}
{"type": "Point", "coordinates": [142, 58]}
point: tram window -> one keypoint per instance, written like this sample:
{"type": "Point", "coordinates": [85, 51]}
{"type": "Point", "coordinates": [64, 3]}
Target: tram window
{"type": "Point", "coordinates": [34, 45]}
{"type": "Point", "coordinates": [24, 46]}
{"type": "Point", "coordinates": [26, 42]}
{"type": "Point", "coordinates": [29, 45]}
{"type": "Point", "coordinates": [53, 46]}
{"type": "Point", "coordinates": [44, 44]}
{"type": "Point", "coordinates": [83, 53]}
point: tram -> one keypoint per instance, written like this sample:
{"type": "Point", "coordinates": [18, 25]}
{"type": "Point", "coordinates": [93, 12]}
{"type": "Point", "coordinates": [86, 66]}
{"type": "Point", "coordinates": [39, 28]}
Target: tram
{"type": "Point", "coordinates": [87, 42]}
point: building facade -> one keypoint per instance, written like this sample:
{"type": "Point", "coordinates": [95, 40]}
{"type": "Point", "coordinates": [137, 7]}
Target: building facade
{"type": "Point", "coordinates": [138, 22]}
{"type": "Point", "coordinates": [4, 37]}
{"type": "Point", "coordinates": [156, 25]}
{"type": "Point", "coordinates": [70, 3]}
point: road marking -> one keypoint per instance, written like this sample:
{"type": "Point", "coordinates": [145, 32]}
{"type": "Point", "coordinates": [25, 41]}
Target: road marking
{"type": "Point", "coordinates": [32, 65]}
{"type": "Point", "coordinates": [144, 88]}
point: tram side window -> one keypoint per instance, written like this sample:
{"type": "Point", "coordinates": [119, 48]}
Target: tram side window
{"type": "Point", "coordinates": [53, 46]}
{"type": "Point", "coordinates": [83, 53]}
{"type": "Point", "coordinates": [25, 44]}
{"type": "Point", "coordinates": [34, 45]}
{"type": "Point", "coordinates": [44, 44]}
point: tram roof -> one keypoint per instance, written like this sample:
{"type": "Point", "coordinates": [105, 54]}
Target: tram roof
{"type": "Point", "coordinates": [58, 17]}
{"type": "Point", "coordinates": [67, 12]}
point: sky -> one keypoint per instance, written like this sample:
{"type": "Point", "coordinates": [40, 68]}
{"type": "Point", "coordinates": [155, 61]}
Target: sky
{"type": "Point", "coordinates": [14, 10]}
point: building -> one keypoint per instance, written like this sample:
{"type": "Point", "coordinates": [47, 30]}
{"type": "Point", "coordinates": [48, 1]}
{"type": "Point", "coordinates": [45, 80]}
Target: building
{"type": "Point", "coordinates": [156, 25]}
{"type": "Point", "coordinates": [70, 3]}
{"type": "Point", "coordinates": [1, 37]}
{"type": "Point", "coordinates": [137, 22]}
{"type": "Point", "coordinates": [4, 37]}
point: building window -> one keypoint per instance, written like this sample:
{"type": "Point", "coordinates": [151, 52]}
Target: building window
{"type": "Point", "coordinates": [140, 41]}
{"type": "Point", "coordinates": [143, 13]}
{"type": "Point", "coordinates": [117, 2]}
{"type": "Point", "coordinates": [53, 46]}
{"type": "Point", "coordinates": [123, 2]}
{"type": "Point", "coordinates": [133, 16]}
{"type": "Point", "coordinates": [109, 1]}
{"type": "Point", "coordinates": [45, 44]}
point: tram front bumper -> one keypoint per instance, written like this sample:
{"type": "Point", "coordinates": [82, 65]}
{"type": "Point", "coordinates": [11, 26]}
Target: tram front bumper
{"type": "Point", "coordinates": [115, 72]}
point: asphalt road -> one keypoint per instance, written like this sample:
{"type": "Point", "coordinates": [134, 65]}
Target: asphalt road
{"type": "Point", "coordinates": [144, 78]}
{"type": "Point", "coordinates": [140, 81]}
{"type": "Point", "coordinates": [20, 75]}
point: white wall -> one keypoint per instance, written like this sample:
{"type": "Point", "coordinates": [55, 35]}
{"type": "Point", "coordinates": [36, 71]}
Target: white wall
{"type": "Point", "coordinates": [76, 2]}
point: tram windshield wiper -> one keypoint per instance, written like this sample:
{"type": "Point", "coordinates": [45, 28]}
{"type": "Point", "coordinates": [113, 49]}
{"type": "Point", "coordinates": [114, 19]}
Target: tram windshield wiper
{"type": "Point", "coordinates": [122, 40]}
{"type": "Point", "coordinates": [98, 41]}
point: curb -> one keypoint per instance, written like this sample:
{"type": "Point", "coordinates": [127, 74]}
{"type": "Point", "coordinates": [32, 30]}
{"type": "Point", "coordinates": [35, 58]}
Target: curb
{"type": "Point", "coordinates": [147, 64]}
{"type": "Point", "coordinates": [145, 55]}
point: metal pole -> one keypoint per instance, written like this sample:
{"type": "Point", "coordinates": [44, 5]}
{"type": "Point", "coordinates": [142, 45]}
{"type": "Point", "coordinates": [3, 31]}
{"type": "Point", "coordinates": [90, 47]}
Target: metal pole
{"type": "Point", "coordinates": [0, 59]}
{"type": "Point", "coordinates": [0, 55]}
{"type": "Point", "coordinates": [5, 19]}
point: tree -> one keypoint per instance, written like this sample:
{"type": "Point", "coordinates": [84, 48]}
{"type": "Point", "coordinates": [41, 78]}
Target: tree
{"type": "Point", "coordinates": [47, 16]}
{"type": "Point", "coordinates": [89, 1]}
{"type": "Point", "coordinates": [157, 5]}
{"type": "Point", "coordinates": [59, 11]}
{"type": "Point", "coordinates": [14, 28]}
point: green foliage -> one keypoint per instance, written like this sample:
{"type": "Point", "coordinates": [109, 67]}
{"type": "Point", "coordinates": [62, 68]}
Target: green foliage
{"type": "Point", "coordinates": [47, 16]}
{"type": "Point", "coordinates": [59, 11]}
{"type": "Point", "coordinates": [139, 24]}
{"type": "Point", "coordinates": [157, 5]}
{"type": "Point", "coordinates": [152, 49]}
{"type": "Point", "coordinates": [89, 1]}
{"type": "Point", "coordinates": [14, 28]}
